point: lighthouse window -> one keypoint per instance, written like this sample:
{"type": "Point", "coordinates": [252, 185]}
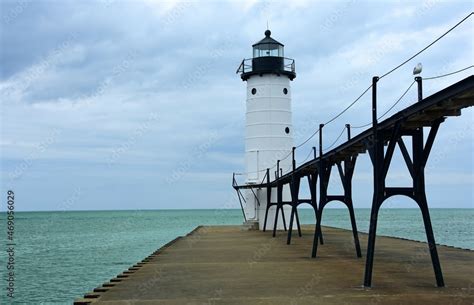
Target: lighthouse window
{"type": "Point", "coordinates": [285, 91]}
{"type": "Point", "coordinates": [268, 49]}
{"type": "Point", "coordinates": [287, 130]}
{"type": "Point", "coordinates": [254, 91]}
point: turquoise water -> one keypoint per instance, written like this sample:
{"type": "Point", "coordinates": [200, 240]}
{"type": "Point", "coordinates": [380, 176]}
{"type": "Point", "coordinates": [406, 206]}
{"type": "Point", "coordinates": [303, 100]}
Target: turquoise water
{"type": "Point", "coordinates": [62, 255]}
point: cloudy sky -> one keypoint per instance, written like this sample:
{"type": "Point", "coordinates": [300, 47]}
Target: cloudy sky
{"type": "Point", "coordinates": [136, 104]}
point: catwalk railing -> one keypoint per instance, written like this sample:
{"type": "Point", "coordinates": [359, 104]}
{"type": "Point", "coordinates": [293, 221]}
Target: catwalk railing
{"type": "Point", "coordinates": [380, 141]}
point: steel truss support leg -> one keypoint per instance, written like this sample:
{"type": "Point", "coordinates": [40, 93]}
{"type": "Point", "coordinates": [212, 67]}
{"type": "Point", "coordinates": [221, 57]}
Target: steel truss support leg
{"type": "Point", "coordinates": [283, 217]}
{"type": "Point", "coordinates": [298, 223]}
{"type": "Point", "coordinates": [346, 175]}
{"type": "Point", "coordinates": [416, 165]}
{"type": "Point", "coordinates": [355, 234]}
{"type": "Point", "coordinates": [266, 216]}
{"type": "Point", "coordinates": [240, 196]}
{"type": "Point", "coordinates": [312, 181]}
{"type": "Point", "coordinates": [371, 241]}
{"type": "Point", "coordinates": [318, 229]}
{"type": "Point", "coordinates": [420, 157]}
{"type": "Point", "coordinates": [431, 241]}
{"type": "Point", "coordinates": [279, 205]}
{"type": "Point", "coordinates": [346, 171]}
{"type": "Point", "coordinates": [269, 200]}
{"type": "Point", "coordinates": [295, 188]}
{"type": "Point", "coordinates": [324, 175]}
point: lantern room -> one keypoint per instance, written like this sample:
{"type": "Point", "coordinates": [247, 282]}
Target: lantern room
{"type": "Point", "coordinates": [268, 47]}
{"type": "Point", "coordinates": [268, 58]}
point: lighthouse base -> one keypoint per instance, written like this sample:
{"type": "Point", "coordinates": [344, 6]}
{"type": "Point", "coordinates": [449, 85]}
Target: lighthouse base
{"type": "Point", "coordinates": [250, 225]}
{"type": "Point", "coordinates": [255, 210]}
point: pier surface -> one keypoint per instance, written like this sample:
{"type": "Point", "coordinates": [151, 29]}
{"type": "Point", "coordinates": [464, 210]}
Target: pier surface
{"type": "Point", "coordinates": [227, 265]}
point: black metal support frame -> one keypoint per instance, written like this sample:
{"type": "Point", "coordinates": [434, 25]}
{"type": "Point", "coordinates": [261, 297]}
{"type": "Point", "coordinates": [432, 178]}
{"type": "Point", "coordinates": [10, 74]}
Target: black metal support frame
{"type": "Point", "coordinates": [381, 160]}
{"type": "Point", "coordinates": [239, 195]}
{"type": "Point", "coordinates": [279, 203]}
{"type": "Point", "coordinates": [294, 190]}
{"type": "Point", "coordinates": [295, 201]}
{"type": "Point", "coordinates": [346, 171]}
{"type": "Point", "coordinates": [410, 123]}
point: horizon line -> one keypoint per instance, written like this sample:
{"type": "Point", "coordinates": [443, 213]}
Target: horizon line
{"type": "Point", "coordinates": [213, 209]}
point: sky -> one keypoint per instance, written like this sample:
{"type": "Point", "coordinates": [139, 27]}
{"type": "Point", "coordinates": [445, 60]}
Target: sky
{"type": "Point", "coordinates": [136, 104]}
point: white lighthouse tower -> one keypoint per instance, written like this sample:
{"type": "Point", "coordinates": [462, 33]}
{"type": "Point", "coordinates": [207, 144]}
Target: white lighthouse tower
{"type": "Point", "coordinates": [268, 128]}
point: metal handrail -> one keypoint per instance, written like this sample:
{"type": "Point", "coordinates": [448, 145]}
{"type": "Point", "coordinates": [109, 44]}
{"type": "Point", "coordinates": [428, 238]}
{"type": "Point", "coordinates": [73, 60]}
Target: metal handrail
{"type": "Point", "coordinates": [245, 67]}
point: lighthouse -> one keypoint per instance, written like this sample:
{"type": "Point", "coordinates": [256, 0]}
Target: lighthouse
{"type": "Point", "coordinates": [268, 127]}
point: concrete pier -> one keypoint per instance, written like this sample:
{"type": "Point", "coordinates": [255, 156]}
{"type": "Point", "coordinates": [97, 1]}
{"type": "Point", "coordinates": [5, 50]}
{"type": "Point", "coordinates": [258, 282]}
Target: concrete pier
{"type": "Point", "coordinates": [228, 265]}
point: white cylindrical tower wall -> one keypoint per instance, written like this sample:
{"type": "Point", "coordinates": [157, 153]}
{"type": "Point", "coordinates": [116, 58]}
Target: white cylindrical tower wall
{"type": "Point", "coordinates": [268, 138]}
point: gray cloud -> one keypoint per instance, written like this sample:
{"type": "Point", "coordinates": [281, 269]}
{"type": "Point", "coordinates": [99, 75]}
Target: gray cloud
{"type": "Point", "coordinates": [96, 71]}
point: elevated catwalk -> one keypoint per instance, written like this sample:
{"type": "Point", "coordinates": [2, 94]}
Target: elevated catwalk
{"type": "Point", "coordinates": [380, 141]}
